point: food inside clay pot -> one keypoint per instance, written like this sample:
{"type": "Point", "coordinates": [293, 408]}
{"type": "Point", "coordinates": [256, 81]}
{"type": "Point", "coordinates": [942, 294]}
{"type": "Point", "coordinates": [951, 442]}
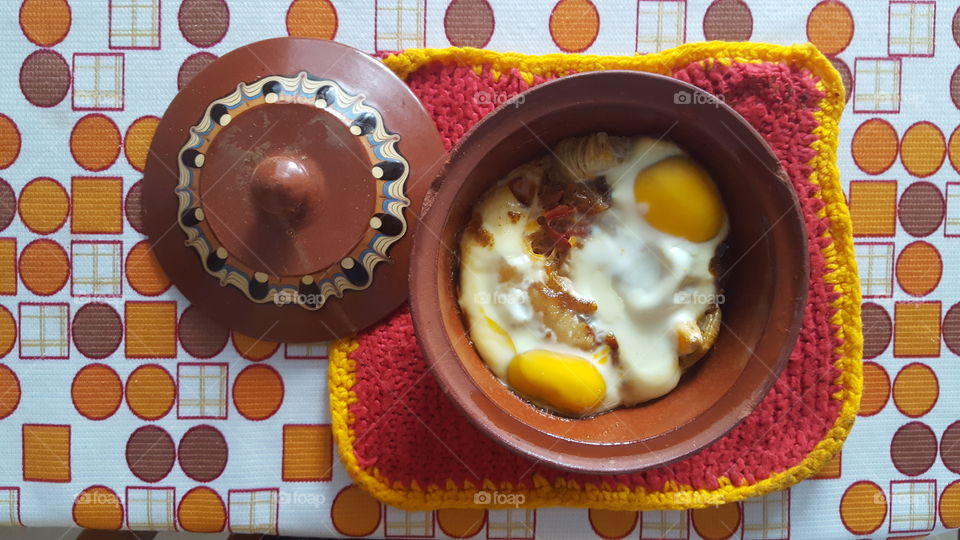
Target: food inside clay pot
{"type": "Point", "coordinates": [588, 278]}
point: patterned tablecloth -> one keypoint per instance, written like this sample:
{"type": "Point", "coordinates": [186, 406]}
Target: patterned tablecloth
{"type": "Point", "coordinates": [120, 406]}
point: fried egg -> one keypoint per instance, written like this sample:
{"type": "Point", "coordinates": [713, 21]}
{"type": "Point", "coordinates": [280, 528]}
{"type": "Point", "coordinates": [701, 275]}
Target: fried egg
{"type": "Point", "coordinates": [638, 278]}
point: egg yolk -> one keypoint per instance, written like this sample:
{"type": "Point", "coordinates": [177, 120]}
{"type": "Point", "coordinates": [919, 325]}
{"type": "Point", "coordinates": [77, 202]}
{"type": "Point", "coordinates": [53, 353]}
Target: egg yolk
{"type": "Point", "coordinates": [499, 331]}
{"type": "Point", "coordinates": [569, 384]}
{"type": "Point", "coordinates": [681, 199]}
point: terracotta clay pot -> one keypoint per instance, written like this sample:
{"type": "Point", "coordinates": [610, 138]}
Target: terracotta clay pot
{"type": "Point", "coordinates": [765, 282]}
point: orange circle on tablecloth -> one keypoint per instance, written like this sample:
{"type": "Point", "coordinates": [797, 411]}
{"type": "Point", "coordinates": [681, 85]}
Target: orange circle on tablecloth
{"type": "Point", "coordinates": [312, 18]}
{"type": "Point", "coordinates": [45, 22]}
{"type": "Point", "coordinates": [950, 505]}
{"type": "Point", "coordinates": [919, 268]}
{"type": "Point", "coordinates": [354, 512]}
{"type": "Point", "coordinates": [144, 272]}
{"type": "Point", "coordinates": [716, 522]}
{"type": "Point", "coordinates": [863, 507]}
{"type": "Point", "coordinates": [44, 267]}
{"type": "Point", "coordinates": [9, 141]}
{"type": "Point", "coordinates": [915, 390]}
{"type": "Point", "coordinates": [150, 392]}
{"type": "Point", "coordinates": [98, 507]}
{"type": "Point", "coordinates": [96, 391]}
{"type": "Point", "coordinates": [43, 205]}
{"type": "Point", "coordinates": [258, 392]}
{"type": "Point", "coordinates": [830, 27]}
{"type": "Point", "coordinates": [874, 146]}
{"type": "Point", "coordinates": [9, 391]}
{"type": "Point", "coordinates": [613, 524]}
{"type": "Point", "coordinates": [922, 149]}
{"type": "Point", "coordinates": [953, 148]}
{"type": "Point", "coordinates": [202, 510]}
{"type": "Point", "coordinates": [876, 389]}
{"type": "Point", "coordinates": [253, 349]}
{"type": "Point", "coordinates": [136, 143]}
{"type": "Point", "coordinates": [574, 25]}
{"type": "Point", "coordinates": [8, 331]}
{"type": "Point", "coordinates": [95, 142]}
{"type": "Point", "coordinates": [461, 522]}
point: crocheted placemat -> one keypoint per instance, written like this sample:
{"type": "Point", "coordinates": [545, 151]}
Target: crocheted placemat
{"type": "Point", "coordinates": [401, 438]}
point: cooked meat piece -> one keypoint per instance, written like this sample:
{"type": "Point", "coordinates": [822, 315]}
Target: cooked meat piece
{"type": "Point", "coordinates": [719, 257]}
{"type": "Point", "coordinates": [588, 197]}
{"type": "Point", "coordinates": [557, 287]}
{"type": "Point", "coordinates": [550, 191]}
{"type": "Point", "coordinates": [554, 309]}
{"type": "Point", "coordinates": [689, 338]}
{"type": "Point", "coordinates": [708, 327]}
{"type": "Point", "coordinates": [525, 181]}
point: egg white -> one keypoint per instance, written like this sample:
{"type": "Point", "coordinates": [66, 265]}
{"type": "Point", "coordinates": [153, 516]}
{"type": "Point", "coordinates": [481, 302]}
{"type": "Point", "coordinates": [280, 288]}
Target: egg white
{"type": "Point", "coordinates": [644, 282]}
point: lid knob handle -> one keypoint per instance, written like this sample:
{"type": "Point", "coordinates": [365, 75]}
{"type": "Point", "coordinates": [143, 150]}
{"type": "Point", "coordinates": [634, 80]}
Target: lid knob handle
{"type": "Point", "coordinates": [286, 187]}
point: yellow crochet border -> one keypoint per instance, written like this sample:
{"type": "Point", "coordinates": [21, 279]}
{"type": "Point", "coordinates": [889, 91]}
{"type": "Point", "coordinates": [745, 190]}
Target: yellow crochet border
{"type": "Point", "coordinates": [839, 255]}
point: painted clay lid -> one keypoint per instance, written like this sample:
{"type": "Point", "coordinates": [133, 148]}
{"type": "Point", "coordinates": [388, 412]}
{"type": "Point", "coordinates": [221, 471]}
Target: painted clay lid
{"type": "Point", "coordinates": [282, 188]}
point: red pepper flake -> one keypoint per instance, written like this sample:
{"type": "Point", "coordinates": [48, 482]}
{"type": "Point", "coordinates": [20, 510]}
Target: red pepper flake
{"type": "Point", "coordinates": [557, 212]}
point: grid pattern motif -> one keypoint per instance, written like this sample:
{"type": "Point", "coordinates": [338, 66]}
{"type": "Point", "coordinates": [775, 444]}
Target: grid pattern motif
{"type": "Point", "coordinates": [767, 517]}
{"type": "Point", "coordinates": [400, 24]}
{"type": "Point", "coordinates": [98, 81]}
{"type": "Point", "coordinates": [44, 331]}
{"type": "Point", "coordinates": [511, 523]}
{"type": "Point", "coordinates": [877, 85]}
{"type": "Point", "coordinates": [913, 506]}
{"type": "Point", "coordinates": [202, 390]}
{"type": "Point", "coordinates": [661, 24]}
{"type": "Point", "coordinates": [9, 507]}
{"type": "Point", "coordinates": [401, 523]}
{"type": "Point", "coordinates": [911, 28]}
{"type": "Point", "coordinates": [657, 524]}
{"type": "Point", "coordinates": [952, 226]}
{"type": "Point", "coordinates": [135, 24]}
{"type": "Point", "coordinates": [306, 351]}
{"type": "Point", "coordinates": [253, 511]}
{"type": "Point", "coordinates": [151, 509]}
{"type": "Point", "coordinates": [876, 269]}
{"type": "Point", "coordinates": [96, 268]}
